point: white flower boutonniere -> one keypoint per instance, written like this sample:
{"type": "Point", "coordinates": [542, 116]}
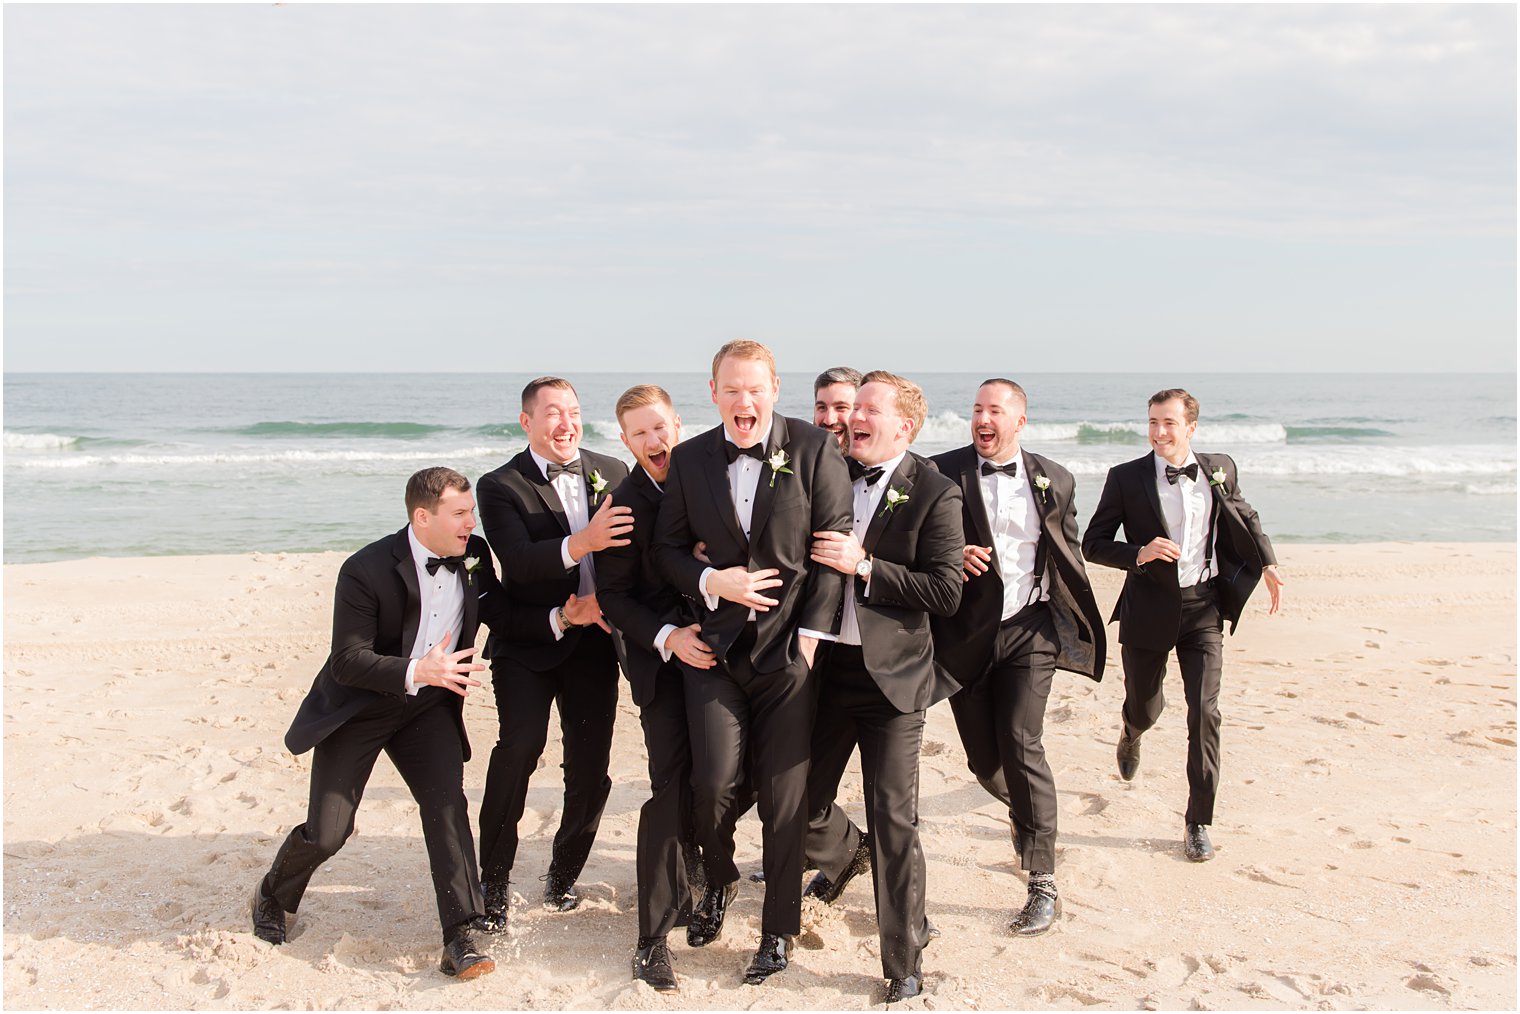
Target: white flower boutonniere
{"type": "Point", "coordinates": [894, 497]}
{"type": "Point", "coordinates": [470, 564]}
{"type": "Point", "coordinates": [598, 484]}
{"type": "Point", "coordinates": [1216, 478]}
{"type": "Point", "coordinates": [1042, 483]}
{"type": "Point", "coordinates": [778, 463]}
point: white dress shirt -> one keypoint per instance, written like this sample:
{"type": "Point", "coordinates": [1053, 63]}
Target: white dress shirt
{"type": "Point", "coordinates": [1186, 506]}
{"type": "Point", "coordinates": [1015, 523]}
{"type": "Point", "coordinates": [572, 496]}
{"type": "Point", "coordinates": [442, 607]}
{"type": "Point", "coordinates": [867, 501]}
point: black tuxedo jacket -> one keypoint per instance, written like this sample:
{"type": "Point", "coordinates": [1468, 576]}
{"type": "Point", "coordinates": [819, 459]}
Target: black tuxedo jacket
{"type": "Point", "coordinates": [697, 507]}
{"type": "Point", "coordinates": [966, 640]}
{"type": "Point", "coordinates": [915, 551]}
{"type": "Point", "coordinates": [633, 595]}
{"type": "Point", "coordinates": [376, 611]}
{"type": "Point", "coordinates": [525, 523]}
{"type": "Point", "coordinates": [1149, 609]}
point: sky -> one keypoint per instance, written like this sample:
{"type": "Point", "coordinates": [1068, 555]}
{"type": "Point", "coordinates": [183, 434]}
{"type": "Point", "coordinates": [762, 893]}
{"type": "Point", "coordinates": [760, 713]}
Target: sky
{"type": "Point", "coordinates": [562, 188]}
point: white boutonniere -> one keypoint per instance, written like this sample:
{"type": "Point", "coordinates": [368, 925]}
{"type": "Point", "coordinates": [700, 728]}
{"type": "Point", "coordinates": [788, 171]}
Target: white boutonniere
{"type": "Point", "coordinates": [778, 463]}
{"type": "Point", "coordinates": [1042, 483]}
{"type": "Point", "coordinates": [598, 484]}
{"type": "Point", "coordinates": [470, 564]}
{"type": "Point", "coordinates": [1216, 478]}
{"type": "Point", "coordinates": [894, 497]}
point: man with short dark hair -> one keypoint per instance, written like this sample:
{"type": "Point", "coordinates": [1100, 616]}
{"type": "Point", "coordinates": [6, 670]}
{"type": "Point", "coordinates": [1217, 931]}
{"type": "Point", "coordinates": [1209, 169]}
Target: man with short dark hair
{"type": "Point", "coordinates": [1028, 610]}
{"type": "Point", "coordinates": [392, 684]}
{"type": "Point", "coordinates": [833, 397]}
{"type": "Point", "coordinates": [1193, 551]}
{"type": "Point", "coordinates": [545, 512]}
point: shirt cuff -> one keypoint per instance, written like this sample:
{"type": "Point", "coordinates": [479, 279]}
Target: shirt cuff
{"type": "Point", "coordinates": [709, 597]}
{"type": "Point", "coordinates": [816, 634]}
{"type": "Point", "coordinates": [661, 638]}
{"type": "Point", "coordinates": [411, 684]}
{"type": "Point", "coordinates": [554, 626]}
{"type": "Point", "coordinates": [564, 553]}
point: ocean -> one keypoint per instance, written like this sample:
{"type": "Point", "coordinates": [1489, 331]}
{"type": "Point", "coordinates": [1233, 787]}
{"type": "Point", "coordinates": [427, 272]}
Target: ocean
{"type": "Point", "coordinates": [169, 464]}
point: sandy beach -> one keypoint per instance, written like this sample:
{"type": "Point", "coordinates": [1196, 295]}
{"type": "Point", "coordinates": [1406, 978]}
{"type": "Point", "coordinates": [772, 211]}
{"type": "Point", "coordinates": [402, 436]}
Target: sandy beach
{"type": "Point", "coordinates": [1366, 826]}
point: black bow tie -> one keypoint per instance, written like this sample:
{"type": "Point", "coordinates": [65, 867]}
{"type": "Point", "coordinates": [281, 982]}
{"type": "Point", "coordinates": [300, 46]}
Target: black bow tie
{"type": "Point", "coordinates": [733, 451]}
{"type": "Point", "coordinates": [453, 563]}
{"type": "Point", "coordinates": [871, 473]}
{"type": "Point", "coordinates": [573, 467]}
{"type": "Point", "coordinates": [1191, 471]}
{"type": "Point", "coordinates": [1011, 469]}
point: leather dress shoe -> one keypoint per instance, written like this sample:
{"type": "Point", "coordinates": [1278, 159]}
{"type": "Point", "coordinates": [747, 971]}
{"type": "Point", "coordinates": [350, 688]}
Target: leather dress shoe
{"type": "Point", "coordinates": [828, 891]}
{"type": "Point", "coordinates": [902, 989]}
{"type": "Point", "coordinates": [559, 893]}
{"type": "Point", "coordinates": [498, 893]}
{"type": "Point", "coordinates": [931, 933]}
{"type": "Point", "coordinates": [1039, 913]}
{"type": "Point", "coordinates": [770, 957]}
{"type": "Point", "coordinates": [268, 916]}
{"type": "Point", "coordinates": [651, 964]}
{"type": "Point", "coordinates": [707, 921]}
{"type": "Point", "coordinates": [462, 959]}
{"type": "Point", "coordinates": [1197, 845]}
{"type": "Point", "coordinates": [1128, 755]}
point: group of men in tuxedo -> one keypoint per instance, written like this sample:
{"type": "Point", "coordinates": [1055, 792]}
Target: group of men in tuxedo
{"type": "Point", "coordinates": [778, 594]}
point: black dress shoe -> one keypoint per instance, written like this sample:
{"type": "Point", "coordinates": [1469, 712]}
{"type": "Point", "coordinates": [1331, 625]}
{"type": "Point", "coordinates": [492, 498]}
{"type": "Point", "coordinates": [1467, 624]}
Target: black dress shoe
{"type": "Point", "coordinates": [902, 989]}
{"type": "Point", "coordinates": [1128, 755]}
{"type": "Point", "coordinates": [1197, 845]}
{"type": "Point", "coordinates": [828, 891]}
{"type": "Point", "coordinates": [1039, 912]}
{"type": "Point", "coordinates": [268, 916]}
{"type": "Point", "coordinates": [770, 957]}
{"type": "Point", "coordinates": [463, 960]}
{"type": "Point", "coordinates": [651, 964]}
{"type": "Point", "coordinates": [498, 894]}
{"type": "Point", "coordinates": [559, 893]}
{"type": "Point", "coordinates": [931, 933]}
{"type": "Point", "coordinates": [707, 921]}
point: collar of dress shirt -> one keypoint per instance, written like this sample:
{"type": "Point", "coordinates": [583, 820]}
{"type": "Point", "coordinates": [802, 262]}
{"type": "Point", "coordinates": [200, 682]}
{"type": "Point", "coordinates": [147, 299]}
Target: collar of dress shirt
{"type": "Point", "coordinates": [543, 462]}
{"type": "Point", "coordinates": [888, 469]}
{"type": "Point", "coordinates": [420, 553]}
{"type": "Point", "coordinates": [1162, 463]}
{"type": "Point", "coordinates": [765, 438]}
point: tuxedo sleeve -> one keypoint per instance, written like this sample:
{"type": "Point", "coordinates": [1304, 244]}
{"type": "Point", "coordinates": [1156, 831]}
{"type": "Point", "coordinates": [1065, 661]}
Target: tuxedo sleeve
{"type": "Point", "coordinates": [673, 537]}
{"type": "Point", "coordinates": [523, 559]}
{"type": "Point", "coordinates": [508, 620]}
{"type": "Point", "coordinates": [833, 504]}
{"type": "Point", "coordinates": [1100, 544]}
{"type": "Point", "coordinates": [933, 583]}
{"type": "Point", "coordinates": [354, 662]}
{"type": "Point", "coordinates": [1248, 515]}
{"type": "Point", "coordinates": [618, 569]}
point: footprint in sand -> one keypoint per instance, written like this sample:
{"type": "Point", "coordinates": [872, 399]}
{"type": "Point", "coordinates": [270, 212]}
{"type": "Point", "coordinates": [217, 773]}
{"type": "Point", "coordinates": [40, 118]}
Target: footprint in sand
{"type": "Point", "coordinates": [1427, 983]}
{"type": "Point", "coordinates": [1093, 804]}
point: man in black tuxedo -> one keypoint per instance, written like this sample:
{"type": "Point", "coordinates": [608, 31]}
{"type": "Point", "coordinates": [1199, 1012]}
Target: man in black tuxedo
{"type": "Point", "coordinates": [833, 398]}
{"type": "Point", "coordinates": [754, 489]}
{"type": "Point", "coordinates": [1194, 551]}
{"type": "Point", "coordinates": [1028, 610]}
{"type": "Point", "coordinates": [392, 684]}
{"type": "Point", "coordinates": [545, 512]}
{"type": "Point", "coordinates": [902, 559]}
{"type": "Point", "coordinates": [659, 633]}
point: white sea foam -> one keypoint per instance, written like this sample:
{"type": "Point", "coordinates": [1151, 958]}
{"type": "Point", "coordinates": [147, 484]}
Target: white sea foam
{"type": "Point", "coordinates": [236, 458]}
{"type": "Point", "coordinates": [951, 428]}
{"type": "Point", "coordinates": [37, 441]}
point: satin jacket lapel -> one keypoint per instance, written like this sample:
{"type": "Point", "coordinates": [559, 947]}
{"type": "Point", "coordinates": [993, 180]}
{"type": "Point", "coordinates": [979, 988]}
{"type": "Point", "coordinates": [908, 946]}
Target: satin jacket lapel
{"type": "Point", "coordinates": [765, 492]}
{"type": "Point", "coordinates": [717, 485]}
{"type": "Point", "coordinates": [1218, 493]}
{"type": "Point", "coordinates": [407, 568]}
{"type": "Point", "coordinates": [1152, 495]}
{"type": "Point", "coordinates": [901, 479]}
{"type": "Point", "coordinates": [1044, 502]}
{"type": "Point", "coordinates": [976, 506]}
{"type": "Point", "coordinates": [546, 491]}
